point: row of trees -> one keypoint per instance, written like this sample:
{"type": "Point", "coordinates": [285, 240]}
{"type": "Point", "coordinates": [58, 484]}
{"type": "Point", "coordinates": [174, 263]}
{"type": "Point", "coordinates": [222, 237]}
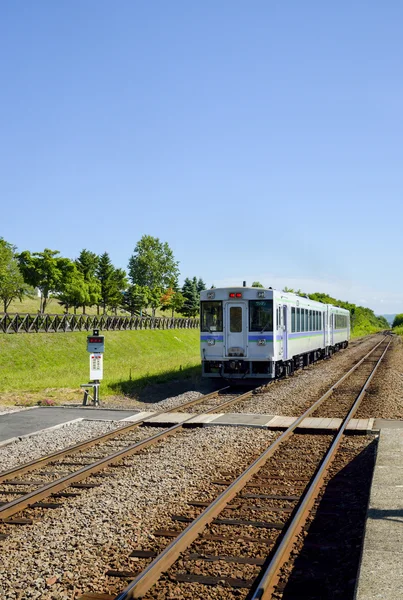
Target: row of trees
{"type": "Point", "coordinates": [151, 281]}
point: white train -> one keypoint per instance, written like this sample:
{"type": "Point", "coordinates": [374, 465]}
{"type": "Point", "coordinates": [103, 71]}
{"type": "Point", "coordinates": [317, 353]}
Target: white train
{"type": "Point", "coordinates": [266, 333]}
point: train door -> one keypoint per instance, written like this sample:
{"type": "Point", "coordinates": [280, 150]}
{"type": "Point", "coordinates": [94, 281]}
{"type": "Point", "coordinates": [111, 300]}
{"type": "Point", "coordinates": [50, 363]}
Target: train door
{"type": "Point", "coordinates": [285, 333]}
{"type": "Point", "coordinates": [326, 316]}
{"type": "Point", "coordinates": [236, 337]}
{"type": "Point", "coordinates": [280, 333]}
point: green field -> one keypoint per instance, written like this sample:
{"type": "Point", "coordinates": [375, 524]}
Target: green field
{"type": "Point", "coordinates": [53, 365]}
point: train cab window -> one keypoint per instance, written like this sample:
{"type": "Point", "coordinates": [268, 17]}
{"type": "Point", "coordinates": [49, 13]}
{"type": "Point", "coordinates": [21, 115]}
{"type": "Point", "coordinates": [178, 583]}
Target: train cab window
{"type": "Point", "coordinates": [261, 315]}
{"type": "Point", "coordinates": [293, 320]}
{"type": "Point", "coordinates": [235, 319]}
{"type": "Point", "coordinates": [211, 316]}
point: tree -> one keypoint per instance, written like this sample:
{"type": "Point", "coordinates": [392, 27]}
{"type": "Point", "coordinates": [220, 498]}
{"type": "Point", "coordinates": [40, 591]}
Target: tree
{"type": "Point", "coordinates": [135, 298]}
{"type": "Point", "coordinates": [112, 282]}
{"type": "Point", "coordinates": [12, 285]}
{"type": "Point", "coordinates": [74, 290]}
{"type": "Point", "coordinates": [257, 284]}
{"type": "Point", "coordinates": [192, 297]}
{"type": "Point", "coordinates": [397, 321]}
{"type": "Point", "coordinates": [172, 300]}
{"type": "Point", "coordinates": [200, 285]}
{"type": "Point", "coordinates": [120, 285]}
{"type": "Point", "coordinates": [43, 270]}
{"type": "Point", "coordinates": [87, 263]}
{"type": "Point", "coordinates": [153, 265]}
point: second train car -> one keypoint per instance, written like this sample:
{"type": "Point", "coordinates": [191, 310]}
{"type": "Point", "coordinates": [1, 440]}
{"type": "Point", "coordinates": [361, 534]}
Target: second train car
{"type": "Point", "coordinates": [265, 333]}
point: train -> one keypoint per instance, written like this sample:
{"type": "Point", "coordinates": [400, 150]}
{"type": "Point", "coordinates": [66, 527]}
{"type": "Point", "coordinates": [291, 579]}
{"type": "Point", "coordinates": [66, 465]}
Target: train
{"type": "Point", "coordinates": [262, 333]}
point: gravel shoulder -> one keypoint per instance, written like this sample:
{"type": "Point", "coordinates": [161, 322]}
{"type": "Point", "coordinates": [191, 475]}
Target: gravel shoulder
{"type": "Point", "coordinates": [384, 397]}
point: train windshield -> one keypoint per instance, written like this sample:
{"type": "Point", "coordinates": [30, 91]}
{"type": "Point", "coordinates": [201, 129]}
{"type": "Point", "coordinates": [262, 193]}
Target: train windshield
{"type": "Point", "coordinates": [261, 315]}
{"type": "Point", "coordinates": [211, 316]}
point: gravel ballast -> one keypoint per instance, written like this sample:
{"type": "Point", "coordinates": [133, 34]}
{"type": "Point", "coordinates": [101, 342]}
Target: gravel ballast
{"type": "Point", "coordinates": [290, 397]}
{"type": "Point", "coordinates": [71, 548]}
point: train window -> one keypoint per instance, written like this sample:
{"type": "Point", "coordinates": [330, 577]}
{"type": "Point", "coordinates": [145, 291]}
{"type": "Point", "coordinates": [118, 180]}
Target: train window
{"type": "Point", "coordinates": [298, 319]}
{"type": "Point", "coordinates": [320, 320]}
{"type": "Point", "coordinates": [340, 322]}
{"type": "Point", "coordinates": [235, 319]}
{"type": "Point", "coordinates": [261, 315]}
{"type": "Point", "coordinates": [303, 319]}
{"type": "Point", "coordinates": [317, 320]}
{"type": "Point", "coordinates": [293, 323]}
{"type": "Point", "coordinates": [211, 316]}
{"type": "Point", "coordinates": [310, 321]}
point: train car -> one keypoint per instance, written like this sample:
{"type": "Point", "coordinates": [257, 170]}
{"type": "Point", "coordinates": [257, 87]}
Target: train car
{"type": "Point", "coordinates": [265, 333]}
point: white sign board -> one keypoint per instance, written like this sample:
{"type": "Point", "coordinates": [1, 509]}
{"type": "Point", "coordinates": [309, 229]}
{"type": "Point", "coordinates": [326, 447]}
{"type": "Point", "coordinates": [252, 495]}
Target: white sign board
{"type": "Point", "coordinates": [96, 366]}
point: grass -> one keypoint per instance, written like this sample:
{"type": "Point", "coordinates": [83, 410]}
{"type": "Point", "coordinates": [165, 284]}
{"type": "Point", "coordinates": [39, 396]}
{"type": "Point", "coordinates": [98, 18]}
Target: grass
{"type": "Point", "coordinates": [366, 329]}
{"type": "Point", "coordinates": [53, 365]}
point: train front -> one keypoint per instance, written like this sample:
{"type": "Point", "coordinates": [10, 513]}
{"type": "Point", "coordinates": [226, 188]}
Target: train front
{"type": "Point", "coordinates": [236, 337]}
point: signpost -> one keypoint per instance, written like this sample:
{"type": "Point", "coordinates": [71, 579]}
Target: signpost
{"type": "Point", "coordinates": [96, 348]}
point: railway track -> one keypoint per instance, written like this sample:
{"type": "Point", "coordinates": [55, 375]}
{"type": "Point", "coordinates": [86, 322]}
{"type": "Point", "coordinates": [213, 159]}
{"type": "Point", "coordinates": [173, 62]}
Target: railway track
{"type": "Point", "coordinates": [68, 468]}
{"type": "Point", "coordinates": [237, 545]}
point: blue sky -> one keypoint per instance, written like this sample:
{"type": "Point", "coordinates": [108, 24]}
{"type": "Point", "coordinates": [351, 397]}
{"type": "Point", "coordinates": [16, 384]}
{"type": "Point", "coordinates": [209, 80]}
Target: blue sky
{"type": "Point", "coordinates": [262, 140]}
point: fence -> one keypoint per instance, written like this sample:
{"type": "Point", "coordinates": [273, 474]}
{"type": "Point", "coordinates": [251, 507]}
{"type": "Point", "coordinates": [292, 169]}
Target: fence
{"type": "Point", "coordinates": [27, 323]}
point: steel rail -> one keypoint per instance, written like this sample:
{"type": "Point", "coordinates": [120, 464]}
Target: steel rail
{"type": "Point", "coordinates": [271, 576]}
{"type": "Point", "coordinates": [40, 462]}
{"type": "Point", "coordinates": [147, 578]}
{"type": "Point", "coordinates": [24, 501]}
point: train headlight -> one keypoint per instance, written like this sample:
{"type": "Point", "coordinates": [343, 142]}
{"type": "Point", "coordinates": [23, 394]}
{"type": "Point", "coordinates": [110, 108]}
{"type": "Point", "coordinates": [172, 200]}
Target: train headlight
{"type": "Point", "coordinates": [211, 295]}
{"type": "Point", "coordinates": [261, 342]}
{"type": "Point", "coordinates": [211, 342]}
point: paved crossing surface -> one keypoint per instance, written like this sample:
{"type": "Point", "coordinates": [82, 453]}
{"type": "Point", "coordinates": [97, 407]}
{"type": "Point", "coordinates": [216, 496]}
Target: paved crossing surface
{"type": "Point", "coordinates": [26, 422]}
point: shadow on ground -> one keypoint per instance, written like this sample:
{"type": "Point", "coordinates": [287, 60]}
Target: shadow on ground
{"type": "Point", "coordinates": [153, 388]}
{"type": "Point", "coordinates": [327, 566]}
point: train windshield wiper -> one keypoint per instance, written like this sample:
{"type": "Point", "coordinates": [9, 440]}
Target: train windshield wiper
{"type": "Point", "coordinates": [265, 327]}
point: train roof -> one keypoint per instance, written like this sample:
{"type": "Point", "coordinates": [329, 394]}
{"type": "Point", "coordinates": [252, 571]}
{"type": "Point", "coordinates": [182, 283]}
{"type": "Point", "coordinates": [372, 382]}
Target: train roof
{"type": "Point", "coordinates": [271, 292]}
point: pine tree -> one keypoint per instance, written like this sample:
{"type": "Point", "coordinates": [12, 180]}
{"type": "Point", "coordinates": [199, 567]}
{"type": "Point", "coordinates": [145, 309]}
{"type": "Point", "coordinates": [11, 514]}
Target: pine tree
{"type": "Point", "coordinates": [191, 295]}
{"type": "Point", "coordinates": [106, 276]}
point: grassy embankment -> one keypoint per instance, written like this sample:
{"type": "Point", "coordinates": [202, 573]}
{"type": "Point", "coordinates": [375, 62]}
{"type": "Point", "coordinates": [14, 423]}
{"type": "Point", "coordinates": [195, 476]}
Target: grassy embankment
{"type": "Point", "coordinates": [52, 366]}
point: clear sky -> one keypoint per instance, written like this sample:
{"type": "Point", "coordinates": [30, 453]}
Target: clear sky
{"type": "Point", "coordinates": [262, 140]}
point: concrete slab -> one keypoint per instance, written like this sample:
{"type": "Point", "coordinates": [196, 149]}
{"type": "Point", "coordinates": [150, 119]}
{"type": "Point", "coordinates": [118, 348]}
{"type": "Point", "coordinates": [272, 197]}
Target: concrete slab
{"type": "Point", "coordinates": [139, 416]}
{"type": "Point", "coordinates": [202, 419]}
{"type": "Point", "coordinates": [22, 423]}
{"type": "Point", "coordinates": [169, 418]}
{"type": "Point", "coordinates": [249, 420]}
{"type": "Point", "coordinates": [380, 580]}
{"type": "Point", "coordinates": [381, 572]}
{"type": "Point", "coordinates": [388, 424]}
{"type": "Point", "coordinates": [279, 422]}
{"type": "Point", "coordinates": [309, 423]}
